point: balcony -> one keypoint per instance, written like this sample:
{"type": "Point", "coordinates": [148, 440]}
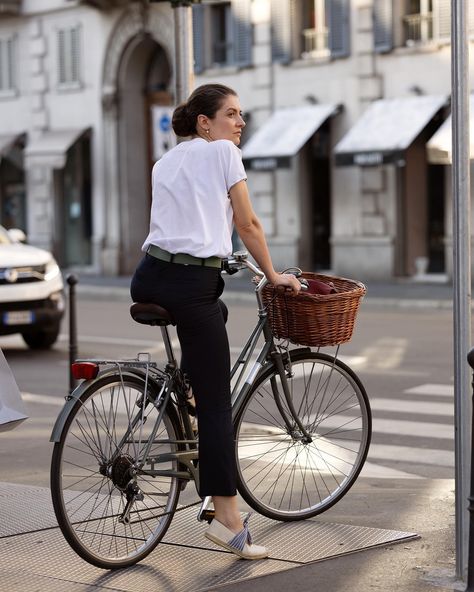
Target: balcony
{"type": "Point", "coordinates": [9, 7]}
{"type": "Point", "coordinates": [316, 42]}
{"type": "Point", "coordinates": [418, 28]}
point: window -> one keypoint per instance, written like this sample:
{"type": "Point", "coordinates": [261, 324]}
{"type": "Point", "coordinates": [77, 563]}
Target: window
{"type": "Point", "coordinates": [7, 65]}
{"type": "Point", "coordinates": [69, 57]}
{"type": "Point", "coordinates": [310, 28]}
{"type": "Point", "coordinates": [315, 28]}
{"type": "Point", "coordinates": [222, 34]}
{"type": "Point", "coordinates": [418, 21]}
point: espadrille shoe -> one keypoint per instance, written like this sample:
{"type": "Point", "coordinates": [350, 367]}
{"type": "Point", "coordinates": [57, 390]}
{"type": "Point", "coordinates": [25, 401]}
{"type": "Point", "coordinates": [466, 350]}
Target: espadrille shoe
{"type": "Point", "coordinates": [241, 543]}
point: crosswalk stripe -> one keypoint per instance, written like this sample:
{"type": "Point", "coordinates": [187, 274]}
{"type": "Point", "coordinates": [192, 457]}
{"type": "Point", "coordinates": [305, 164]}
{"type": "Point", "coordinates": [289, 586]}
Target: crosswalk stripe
{"type": "Point", "coordinates": [420, 429]}
{"type": "Point", "coordinates": [418, 407]}
{"type": "Point", "coordinates": [43, 399]}
{"type": "Point", "coordinates": [436, 390]}
{"type": "Point", "coordinates": [423, 456]}
{"type": "Point", "coordinates": [374, 471]}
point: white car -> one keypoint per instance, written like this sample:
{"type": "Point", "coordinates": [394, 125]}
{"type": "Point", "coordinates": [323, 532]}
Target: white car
{"type": "Point", "coordinates": [31, 291]}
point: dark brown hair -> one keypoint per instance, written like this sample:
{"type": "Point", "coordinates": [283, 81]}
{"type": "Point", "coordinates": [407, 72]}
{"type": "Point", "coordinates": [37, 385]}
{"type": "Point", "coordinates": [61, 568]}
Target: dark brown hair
{"type": "Point", "coordinates": [204, 100]}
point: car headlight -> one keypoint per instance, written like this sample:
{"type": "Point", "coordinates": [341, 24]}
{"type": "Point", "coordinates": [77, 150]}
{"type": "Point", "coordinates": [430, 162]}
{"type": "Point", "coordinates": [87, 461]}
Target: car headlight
{"type": "Point", "coordinates": [51, 270]}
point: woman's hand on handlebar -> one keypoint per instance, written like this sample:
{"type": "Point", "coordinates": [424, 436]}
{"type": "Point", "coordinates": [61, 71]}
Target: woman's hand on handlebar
{"type": "Point", "coordinates": [287, 282]}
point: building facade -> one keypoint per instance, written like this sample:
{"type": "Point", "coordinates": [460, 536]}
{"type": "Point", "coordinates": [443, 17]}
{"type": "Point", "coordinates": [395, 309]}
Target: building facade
{"type": "Point", "coordinates": [345, 147]}
{"type": "Point", "coordinates": [79, 83]}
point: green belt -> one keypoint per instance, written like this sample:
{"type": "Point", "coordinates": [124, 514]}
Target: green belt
{"type": "Point", "coordinates": [183, 258]}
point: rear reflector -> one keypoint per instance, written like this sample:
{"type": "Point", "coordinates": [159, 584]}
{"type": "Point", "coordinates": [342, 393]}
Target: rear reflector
{"type": "Point", "coordinates": [85, 370]}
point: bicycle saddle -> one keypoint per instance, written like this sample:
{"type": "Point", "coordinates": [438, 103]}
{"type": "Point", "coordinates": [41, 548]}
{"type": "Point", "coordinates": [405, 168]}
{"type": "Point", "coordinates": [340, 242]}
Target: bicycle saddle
{"type": "Point", "coordinates": [150, 314]}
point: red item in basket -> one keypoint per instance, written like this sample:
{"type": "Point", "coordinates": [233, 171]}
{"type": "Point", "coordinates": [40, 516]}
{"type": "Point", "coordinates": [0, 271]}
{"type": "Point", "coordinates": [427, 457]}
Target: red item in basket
{"type": "Point", "coordinates": [319, 287]}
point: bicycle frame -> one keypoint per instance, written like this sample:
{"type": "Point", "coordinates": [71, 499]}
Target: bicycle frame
{"type": "Point", "coordinates": [268, 354]}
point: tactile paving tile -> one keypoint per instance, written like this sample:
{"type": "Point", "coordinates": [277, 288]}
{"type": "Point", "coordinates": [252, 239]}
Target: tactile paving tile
{"type": "Point", "coordinates": [301, 542]}
{"type": "Point", "coordinates": [31, 543]}
{"type": "Point", "coordinates": [168, 569]}
{"type": "Point", "coordinates": [27, 582]}
{"type": "Point", "coordinates": [25, 509]}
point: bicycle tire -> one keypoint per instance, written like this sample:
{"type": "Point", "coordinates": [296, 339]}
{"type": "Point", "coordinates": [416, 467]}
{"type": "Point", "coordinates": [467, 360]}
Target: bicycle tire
{"type": "Point", "coordinates": [89, 491]}
{"type": "Point", "coordinates": [279, 474]}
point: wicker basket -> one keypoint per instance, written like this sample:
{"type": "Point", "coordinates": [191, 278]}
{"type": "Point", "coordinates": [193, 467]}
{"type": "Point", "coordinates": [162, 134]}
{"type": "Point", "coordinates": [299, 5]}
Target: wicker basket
{"type": "Point", "coordinates": [315, 320]}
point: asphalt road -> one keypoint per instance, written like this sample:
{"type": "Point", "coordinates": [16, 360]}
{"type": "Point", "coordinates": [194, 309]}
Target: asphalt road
{"type": "Point", "coordinates": [404, 358]}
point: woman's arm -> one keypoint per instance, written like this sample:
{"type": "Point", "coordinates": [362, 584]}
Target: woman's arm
{"type": "Point", "coordinates": [251, 232]}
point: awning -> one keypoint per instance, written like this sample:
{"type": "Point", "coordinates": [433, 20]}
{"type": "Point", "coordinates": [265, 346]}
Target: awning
{"type": "Point", "coordinates": [50, 149]}
{"type": "Point", "coordinates": [282, 136]}
{"type": "Point", "coordinates": [439, 148]}
{"type": "Point", "coordinates": [386, 130]}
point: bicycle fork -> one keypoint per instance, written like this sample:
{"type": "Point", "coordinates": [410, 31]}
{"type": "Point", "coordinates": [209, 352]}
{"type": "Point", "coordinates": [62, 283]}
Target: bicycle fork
{"type": "Point", "coordinates": [278, 361]}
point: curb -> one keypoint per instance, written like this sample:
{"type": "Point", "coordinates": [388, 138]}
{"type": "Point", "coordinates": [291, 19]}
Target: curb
{"type": "Point", "coordinates": [122, 294]}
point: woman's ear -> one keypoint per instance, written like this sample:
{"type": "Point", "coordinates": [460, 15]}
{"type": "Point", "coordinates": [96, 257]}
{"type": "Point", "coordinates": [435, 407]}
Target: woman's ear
{"type": "Point", "coordinates": [203, 121]}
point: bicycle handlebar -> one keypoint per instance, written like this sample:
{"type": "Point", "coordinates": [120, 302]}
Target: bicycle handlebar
{"type": "Point", "coordinates": [239, 260]}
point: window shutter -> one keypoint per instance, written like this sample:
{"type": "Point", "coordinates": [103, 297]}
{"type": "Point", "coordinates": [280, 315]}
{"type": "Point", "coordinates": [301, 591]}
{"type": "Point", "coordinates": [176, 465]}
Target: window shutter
{"type": "Point", "coordinates": [338, 22]}
{"type": "Point", "coordinates": [62, 68]}
{"type": "Point", "coordinates": [442, 14]}
{"type": "Point", "coordinates": [10, 64]}
{"type": "Point", "coordinates": [75, 54]}
{"type": "Point", "coordinates": [2, 65]}
{"type": "Point", "coordinates": [383, 23]}
{"type": "Point", "coordinates": [242, 32]}
{"type": "Point", "coordinates": [281, 30]}
{"type": "Point", "coordinates": [198, 37]}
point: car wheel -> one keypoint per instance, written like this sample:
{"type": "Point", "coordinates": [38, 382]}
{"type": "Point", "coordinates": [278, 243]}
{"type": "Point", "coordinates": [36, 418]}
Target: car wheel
{"type": "Point", "coordinates": [41, 339]}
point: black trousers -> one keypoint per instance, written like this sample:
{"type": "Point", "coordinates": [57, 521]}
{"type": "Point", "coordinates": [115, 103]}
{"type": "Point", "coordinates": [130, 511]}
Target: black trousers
{"type": "Point", "coordinates": [191, 294]}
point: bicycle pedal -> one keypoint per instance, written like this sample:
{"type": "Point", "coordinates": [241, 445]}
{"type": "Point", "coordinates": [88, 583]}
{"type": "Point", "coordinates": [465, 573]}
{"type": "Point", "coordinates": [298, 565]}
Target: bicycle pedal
{"type": "Point", "coordinates": [207, 515]}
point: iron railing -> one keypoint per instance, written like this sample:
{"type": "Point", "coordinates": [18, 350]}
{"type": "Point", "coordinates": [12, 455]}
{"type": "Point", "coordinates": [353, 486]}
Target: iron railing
{"type": "Point", "coordinates": [418, 28]}
{"type": "Point", "coordinates": [316, 41]}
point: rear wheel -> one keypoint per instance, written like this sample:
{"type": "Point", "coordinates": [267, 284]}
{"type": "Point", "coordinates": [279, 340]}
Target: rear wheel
{"type": "Point", "coordinates": [112, 512]}
{"type": "Point", "coordinates": [282, 473]}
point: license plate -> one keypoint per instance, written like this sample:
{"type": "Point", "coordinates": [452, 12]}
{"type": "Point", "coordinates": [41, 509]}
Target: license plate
{"type": "Point", "coordinates": [18, 317]}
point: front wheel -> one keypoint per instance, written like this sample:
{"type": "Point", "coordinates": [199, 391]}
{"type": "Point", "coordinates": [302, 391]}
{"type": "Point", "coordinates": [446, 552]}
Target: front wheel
{"type": "Point", "coordinates": [41, 338]}
{"type": "Point", "coordinates": [110, 507]}
{"type": "Point", "coordinates": [284, 474]}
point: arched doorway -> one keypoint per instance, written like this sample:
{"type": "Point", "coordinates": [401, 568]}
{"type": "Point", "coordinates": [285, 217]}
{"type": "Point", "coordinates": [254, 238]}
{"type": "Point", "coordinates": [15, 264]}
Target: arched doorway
{"type": "Point", "coordinates": [143, 80]}
{"type": "Point", "coordinates": [136, 74]}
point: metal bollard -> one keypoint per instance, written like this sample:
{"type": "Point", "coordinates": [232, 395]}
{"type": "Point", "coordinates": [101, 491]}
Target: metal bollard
{"type": "Point", "coordinates": [72, 281]}
{"type": "Point", "coordinates": [470, 563]}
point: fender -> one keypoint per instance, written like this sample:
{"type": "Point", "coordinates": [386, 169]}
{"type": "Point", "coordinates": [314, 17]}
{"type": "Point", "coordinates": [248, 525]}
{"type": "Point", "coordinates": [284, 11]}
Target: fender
{"type": "Point", "coordinates": [77, 393]}
{"type": "Point", "coordinates": [291, 352]}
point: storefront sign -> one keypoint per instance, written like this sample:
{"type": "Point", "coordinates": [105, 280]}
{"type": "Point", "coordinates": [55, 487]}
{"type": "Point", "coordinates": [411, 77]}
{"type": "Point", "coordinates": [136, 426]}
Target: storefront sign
{"type": "Point", "coordinates": [267, 164]}
{"type": "Point", "coordinates": [368, 159]}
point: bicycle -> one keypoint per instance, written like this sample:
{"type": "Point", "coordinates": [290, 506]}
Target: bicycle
{"type": "Point", "coordinates": [125, 446]}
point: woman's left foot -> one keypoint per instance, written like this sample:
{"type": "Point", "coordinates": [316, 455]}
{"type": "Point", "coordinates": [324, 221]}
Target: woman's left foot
{"type": "Point", "coordinates": [241, 543]}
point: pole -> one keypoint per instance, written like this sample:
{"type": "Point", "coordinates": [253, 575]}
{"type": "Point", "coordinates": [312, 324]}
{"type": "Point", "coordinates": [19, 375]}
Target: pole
{"type": "Point", "coordinates": [72, 281]}
{"type": "Point", "coordinates": [183, 41]}
{"type": "Point", "coordinates": [461, 269]}
{"type": "Point", "coordinates": [470, 562]}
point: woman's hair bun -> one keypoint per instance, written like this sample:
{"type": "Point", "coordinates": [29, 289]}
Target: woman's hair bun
{"type": "Point", "coordinates": [183, 124]}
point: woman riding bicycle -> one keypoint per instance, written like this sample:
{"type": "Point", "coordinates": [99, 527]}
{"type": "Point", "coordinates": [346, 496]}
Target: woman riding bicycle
{"type": "Point", "coordinates": [199, 193]}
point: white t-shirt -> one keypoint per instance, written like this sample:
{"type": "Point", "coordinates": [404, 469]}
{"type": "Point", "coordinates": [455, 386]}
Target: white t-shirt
{"type": "Point", "coordinates": [191, 211]}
